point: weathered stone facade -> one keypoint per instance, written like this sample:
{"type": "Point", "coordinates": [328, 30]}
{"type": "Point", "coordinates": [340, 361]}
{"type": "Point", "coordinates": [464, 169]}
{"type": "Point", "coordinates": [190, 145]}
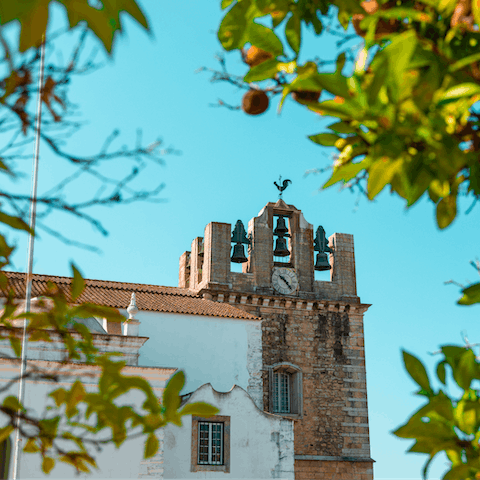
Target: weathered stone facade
{"type": "Point", "coordinates": [316, 333]}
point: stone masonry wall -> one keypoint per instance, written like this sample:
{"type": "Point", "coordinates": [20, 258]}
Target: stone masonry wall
{"type": "Point", "coordinates": [335, 470]}
{"type": "Point", "coordinates": [327, 347]}
{"type": "Point", "coordinates": [327, 344]}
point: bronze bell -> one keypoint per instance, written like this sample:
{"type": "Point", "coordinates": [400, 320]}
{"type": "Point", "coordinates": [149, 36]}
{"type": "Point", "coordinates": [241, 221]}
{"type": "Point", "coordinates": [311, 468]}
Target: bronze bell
{"type": "Point", "coordinates": [322, 262]}
{"type": "Point", "coordinates": [281, 229]}
{"type": "Point", "coordinates": [281, 249]}
{"type": "Point", "coordinates": [239, 254]}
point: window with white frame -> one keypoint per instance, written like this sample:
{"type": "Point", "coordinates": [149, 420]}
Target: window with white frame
{"type": "Point", "coordinates": [210, 443]}
{"type": "Point", "coordinates": [286, 389]}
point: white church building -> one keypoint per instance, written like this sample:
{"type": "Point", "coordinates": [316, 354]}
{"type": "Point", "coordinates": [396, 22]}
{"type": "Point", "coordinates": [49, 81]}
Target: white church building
{"type": "Point", "coordinates": [280, 354]}
{"type": "Point", "coordinates": [173, 329]}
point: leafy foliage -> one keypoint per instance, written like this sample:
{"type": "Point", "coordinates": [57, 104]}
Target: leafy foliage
{"type": "Point", "coordinates": [471, 295]}
{"type": "Point", "coordinates": [448, 423]}
{"type": "Point", "coordinates": [76, 419]}
{"type": "Point", "coordinates": [407, 119]}
{"type": "Point", "coordinates": [102, 19]}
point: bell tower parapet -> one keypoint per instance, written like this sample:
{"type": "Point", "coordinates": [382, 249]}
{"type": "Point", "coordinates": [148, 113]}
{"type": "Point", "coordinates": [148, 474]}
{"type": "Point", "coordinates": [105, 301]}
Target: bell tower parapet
{"type": "Point", "coordinates": [208, 267]}
{"type": "Point", "coordinates": [216, 256]}
{"type": "Point", "coordinates": [260, 259]}
{"type": "Point", "coordinates": [184, 270]}
{"type": "Point", "coordinates": [343, 267]}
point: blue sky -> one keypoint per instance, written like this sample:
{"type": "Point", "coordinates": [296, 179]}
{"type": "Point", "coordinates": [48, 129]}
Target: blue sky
{"type": "Point", "coordinates": [225, 172]}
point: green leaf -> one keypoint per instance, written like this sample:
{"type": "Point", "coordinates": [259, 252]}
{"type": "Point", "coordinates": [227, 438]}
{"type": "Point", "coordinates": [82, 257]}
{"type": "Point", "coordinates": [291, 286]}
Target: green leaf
{"type": "Point", "coordinates": [446, 7]}
{"type": "Point", "coordinates": [264, 38]}
{"type": "Point", "coordinates": [422, 426]}
{"type": "Point", "coordinates": [49, 427]}
{"type": "Point", "coordinates": [16, 345]}
{"type": "Point", "coordinates": [78, 283]}
{"type": "Point", "coordinates": [441, 373]}
{"type": "Point", "coordinates": [5, 432]}
{"type": "Point", "coordinates": [86, 310]}
{"type": "Point", "coordinates": [340, 63]}
{"type": "Point", "coordinates": [293, 33]}
{"type": "Point", "coordinates": [460, 91]}
{"type": "Point", "coordinates": [14, 222]}
{"type": "Point", "coordinates": [418, 183]}
{"type": "Point", "coordinates": [171, 396]}
{"type": "Point", "coordinates": [379, 72]}
{"type": "Point", "coordinates": [416, 370]}
{"type": "Point", "coordinates": [105, 22]}
{"type": "Point", "coordinates": [471, 295]}
{"type": "Point", "coordinates": [380, 174]}
{"type": "Point", "coordinates": [59, 395]}
{"type": "Point", "coordinates": [234, 24]}
{"type": "Point", "coordinates": [325, 139]}
{"type": "Point", "coordinates": [47, 464]}
{"type": "Point", "coordinates": [76, 395]}
{"type": "Point", "coordinates": [266, 69]}
{"type": "Point", "coordinates": [459, 472]}
{"type": "Point", "coordinates": [226, 3]}
{"type": "Point", "coordinates": [349, 5]}
{"type": "Point", "coordinates": [199, 409]}
{"type": "Point", "coordinates": [345, 172]}
{"type": "Point", "coordinates": [459, 64]}
{"type": "Point", "coordinates": [467, 414]}
{"type": "Point", "coordinates": [31, 446]}
{"type": "Point", "coordinates": [342, 127]}
{"type": "Point", "coordinates": [452, 354]}
{"type": "Point", "coordinates": [465, 370]}
{"type": "Point", "coordinates": [345, 111]}
{"type": "Point", "coordinates": [33, 23]}
{"type": "Point", "coordinates": [336, 84]}
{"type": "Point", "coordinates": [151, 446]}
{"type": "Point", "coordinates": [272, 6]}
{"type": "Point", "coordinates": [474, 185]}
{"type": "Point", "coordinates": [446, 211]}
{"type": "Point", "coordinates": [399, 53]}
{"type": "Point", "coordinates": [12, 403]}
{"type": "Point", "coordinates": [476, 11]}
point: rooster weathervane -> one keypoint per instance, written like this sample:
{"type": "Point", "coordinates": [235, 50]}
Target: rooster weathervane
{"type": "Point", "coordinates": [283, 185]}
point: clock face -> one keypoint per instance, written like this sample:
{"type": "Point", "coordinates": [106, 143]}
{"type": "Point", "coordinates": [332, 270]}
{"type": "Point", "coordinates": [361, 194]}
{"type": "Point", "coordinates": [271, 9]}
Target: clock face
{"type": "Point", "coordinates": [285, 280]}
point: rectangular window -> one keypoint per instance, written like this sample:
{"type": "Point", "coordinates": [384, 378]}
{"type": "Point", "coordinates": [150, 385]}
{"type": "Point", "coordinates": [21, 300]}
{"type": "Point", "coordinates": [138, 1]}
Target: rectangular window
{"type": "Point", "coordinates": [281, 392]}
{"type": "Point", "coordinates": [210, 443]}
{"type": "Point", "coordinates": [285, 390]}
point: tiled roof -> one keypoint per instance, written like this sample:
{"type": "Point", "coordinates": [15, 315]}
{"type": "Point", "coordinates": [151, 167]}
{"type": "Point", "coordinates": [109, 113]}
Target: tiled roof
{"type": "Point", "coordinates": [117, 294]}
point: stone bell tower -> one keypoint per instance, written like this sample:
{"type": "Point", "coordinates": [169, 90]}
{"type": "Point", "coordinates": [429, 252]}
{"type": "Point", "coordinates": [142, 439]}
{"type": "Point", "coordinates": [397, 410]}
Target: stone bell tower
{"type": "Point", "coordinates": [312, 331]}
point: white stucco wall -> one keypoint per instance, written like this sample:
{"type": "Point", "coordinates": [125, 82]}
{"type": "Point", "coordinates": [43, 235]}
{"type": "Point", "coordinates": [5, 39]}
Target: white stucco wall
{"type": "Point", "coordinates": [220, 351]}
{"type": "Point", "coordinates": [124, 462]}
{"type": "Point", "coordinates": [55, 350]}
{"type": "Point", "coordinates": [261, 444]}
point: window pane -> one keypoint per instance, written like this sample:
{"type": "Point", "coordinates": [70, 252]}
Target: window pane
{"type": "Point", "coordinates": [210, 443]}
{"type": "Point", "coordinates": [275, 392]}
{"type": "Point", "coordinates": [284, 393]}
{"type": "Point", "coordinates": [281, 392]}
{"type": "Point", "coordinates": [203, 443]}
{"type": "Point", "coordinates": [217, 441]}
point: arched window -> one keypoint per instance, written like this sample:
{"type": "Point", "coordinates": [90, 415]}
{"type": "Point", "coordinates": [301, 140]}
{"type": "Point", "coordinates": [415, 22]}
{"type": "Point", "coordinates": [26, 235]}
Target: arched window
{"type": "Point", "coordinates": [286, 389]}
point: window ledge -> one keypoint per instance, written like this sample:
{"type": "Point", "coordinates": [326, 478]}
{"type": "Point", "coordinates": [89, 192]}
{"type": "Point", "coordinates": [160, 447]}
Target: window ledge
{"type": "Point", "coordinates": [293, 416]}
{"type": "Point", "coordinates": [210, 468]}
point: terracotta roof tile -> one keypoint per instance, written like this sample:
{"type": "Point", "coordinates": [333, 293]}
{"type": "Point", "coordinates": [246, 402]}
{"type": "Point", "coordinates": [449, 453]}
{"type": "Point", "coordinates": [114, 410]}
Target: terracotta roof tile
{"type": "Point", "coordinates": [151, 298]}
